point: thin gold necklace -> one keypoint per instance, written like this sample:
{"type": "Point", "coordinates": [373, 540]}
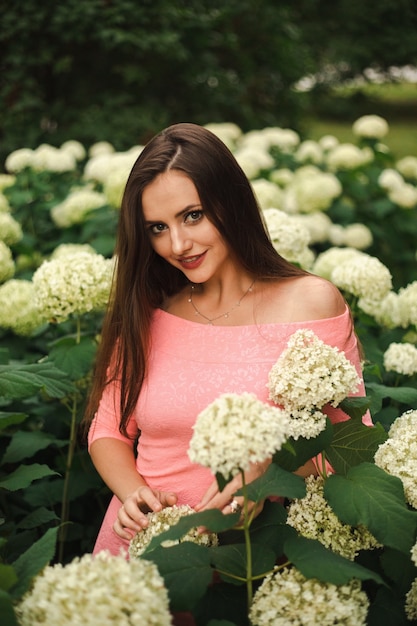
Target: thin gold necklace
{"type": "Point", "coordinates": [210, 320]}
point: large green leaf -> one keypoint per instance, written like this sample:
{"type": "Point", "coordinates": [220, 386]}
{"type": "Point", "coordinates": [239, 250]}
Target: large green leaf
{"type": "Point", "coordinates": [8, 576]}
{"type": "Point", "coordinates": [355, 406]}
{"type": "Point", "coordinates": [24, 445]}
{"type": "Point", "coordinates": [8, 616]}
{"type": "Point", "coordinates": [37, 518]}
{"type": "Point", "coordinates": [31, 562]}
{"type": "Point", "coordinates": [296, 453]}
{"type": "Point", "coordinates": [354, 443]}
{"type": "Point", "coordinates": [316, 561]}
{"type": "Point", "coordinates": [186, 571]}
{"type": "Point", "coordinates": [24, 476]}
{"type": "Point", "coordinates": [231, 561]}
{"type": "Point", "coordinates": [22, 381]}
{"type": "Point", "coordinates": [377, 393]}
{"type": "Point", "coordinates": [368, 495]}
{"type": "Point", "coordinates": [9, 419]}
{"type": "Point", "coordinates": [275, 482]}
{"type": "Point", "coordinates": [73, 357]}
{"type": "Point", "coordinates": [270, 529]}
{"type": "Point", "coordinates": [387, 609]}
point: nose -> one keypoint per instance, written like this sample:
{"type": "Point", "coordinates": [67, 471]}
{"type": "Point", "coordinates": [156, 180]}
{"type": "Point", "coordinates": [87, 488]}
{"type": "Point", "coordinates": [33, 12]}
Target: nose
{"type": "Point", "coordinates": [180, 241]}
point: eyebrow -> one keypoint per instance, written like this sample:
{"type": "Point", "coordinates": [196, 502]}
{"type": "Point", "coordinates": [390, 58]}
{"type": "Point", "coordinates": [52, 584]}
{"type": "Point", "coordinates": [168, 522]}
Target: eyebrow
{"type": "Point", "coordinates": [188, 208]}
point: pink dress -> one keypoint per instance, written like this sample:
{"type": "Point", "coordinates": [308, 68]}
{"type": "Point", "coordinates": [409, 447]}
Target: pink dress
{"type": "Point", "coordinates": [191, 365]}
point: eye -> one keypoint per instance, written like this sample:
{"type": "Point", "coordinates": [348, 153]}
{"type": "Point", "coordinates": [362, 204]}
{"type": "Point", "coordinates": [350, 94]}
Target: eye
{"type": "Point", "coordinates": [193, 216]}
{"type": "Point", "coordinates": [156, 229]}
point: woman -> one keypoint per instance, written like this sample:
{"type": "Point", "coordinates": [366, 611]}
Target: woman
{"type": "Point", "coordinates": [202, 305]}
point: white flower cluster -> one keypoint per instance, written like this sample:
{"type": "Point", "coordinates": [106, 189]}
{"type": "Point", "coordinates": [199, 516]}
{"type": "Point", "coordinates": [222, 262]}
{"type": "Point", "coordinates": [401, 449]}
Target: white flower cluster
{"type": "Point", "coordinates": [398, 190]}
{"type": "Point", "coordinates": [235, 431]}
{"type": "Point", "coordinates": [7, 264]}
{"type": "Point", "coordinates": [74, 284]}
{"type": "Point", "coordinates": [289, 237]}
{"type": "Point", "coordinates": [161, 521]}
{"type": "Point", "coordinates": [10, 230]}
{"type": "Point", "coordinates": [228, 132]}
{"type": "Point", "coordinates": [268, 194]}
{"type": "Point", "coordinates": [398, 454]}
{"type": "Point", "coordinates": [313, 518]}
{"type": "Point", "coordinates": [395, 309]}
{"type": "Point", "coordinates": [103, 589]}
{"type": "Point", "coordinates": [411, 602]}
{"type": "Point", "coordinates": [401, 358]}
{"type": "Point", "coordinates": [44, 157]}
{"type": "Point", "coordinates": [311, 190]}
{"type": "Point", "coordinates": [356, 236]}
{"type": "Point", "coordinates": [346, 156]}
{"type": "Point", "coordinates": [76, 206]}
{"type": "Point", "coordinates": [407, 166]}
{"type": "Point", "coordinates": [17, 307]}
{"type": "Point", "coordinates": [287, 598]}
{"type": "Point", "coordinates": [309, 374]}
{"type": "Point", "coordinates": [354, 271]}
{"type": "Point", "coordinates": [371, 126]}
{"type": "Point", "coordinates": [6, 180]}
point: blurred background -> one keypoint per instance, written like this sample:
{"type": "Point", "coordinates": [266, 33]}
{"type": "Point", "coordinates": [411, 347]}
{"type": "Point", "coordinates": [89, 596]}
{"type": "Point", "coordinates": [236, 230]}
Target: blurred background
{"type": "Point", "coordinates": [120, 70]}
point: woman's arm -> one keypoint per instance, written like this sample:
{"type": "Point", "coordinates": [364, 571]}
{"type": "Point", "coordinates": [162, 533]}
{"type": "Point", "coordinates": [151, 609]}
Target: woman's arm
{"type": "Point", "coordinates": [115, 462]}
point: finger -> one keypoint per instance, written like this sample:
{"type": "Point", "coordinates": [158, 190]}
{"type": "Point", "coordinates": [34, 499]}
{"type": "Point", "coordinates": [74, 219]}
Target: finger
{"type": "Point", "coordinates": [122, 532]}
{"type": "Point", "coordinates": [207, 498]}
{"type": "Point", "coordinates": [168, 498]}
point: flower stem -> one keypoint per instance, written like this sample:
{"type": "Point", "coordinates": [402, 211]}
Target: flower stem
{"type": "Point", "coordinates": [246, 526]}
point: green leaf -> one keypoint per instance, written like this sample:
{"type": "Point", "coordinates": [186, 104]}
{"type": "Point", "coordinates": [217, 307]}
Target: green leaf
{"type": "Point", "coordinates": [9, 419]}
{"type": "Point", "coordinates": [8, 577]}
{"type": "Point", "coordinates": [370, 496]}
{"type": "Point", "coordinates": [186, 571]}
{"type": "Point", "coordinates": [25, 475]}
{"type": "Point", "coordinates": [37, 518]}
{"type": "Point", "coordinates": [377, 393]}
{"type": "Point", "coordinates": [231, 561]}
{"type": "Point", "coordinates": [31, 562]}
{"type": "Point", "coordinates": [387, 610]}
{"type": "Point", "coordinates": [354, 443]}
{"type": "Point", "coordinates": [8, 616]}
{"type": "Point", "coordinates": [295, 453]}
{"type": "Point", "coordinates": [355, 406]}
{"type": "Point", "coordinates": [22, 381]}
{"type": "Point", "coordinates": [25, 444]}
{"type": "Point", "coordinates": [399, 568]}
{"type": "Point", "coordinates": [72, 357]}
{"type": "Point", "coordinates": [315, 561]}
{"type": "Point", "coordinates": [270, 529]}
{"type": "Point", "coordinates": [275, 482]}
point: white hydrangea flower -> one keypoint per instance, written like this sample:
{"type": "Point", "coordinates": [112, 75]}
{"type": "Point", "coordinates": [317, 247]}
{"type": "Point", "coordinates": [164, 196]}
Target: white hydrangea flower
{"type": "Point", "coordinates": [308, 375]}
{"type": "Point", "coordinates": [390, 179]}
{"type": "Point", "coordinates": [76, 206]}
{"type": "Point", "coordinates": [404, 195]}
{"type": "Point", "coordinates": [358, 236]}
{"type": "Point", "coordinates": [363, 276]}
{"type": "Point", "coordinates": [267, 193]}
{"type": "Point", "coordinates": [414, 554]}
{"type": "Point", "coordinates": [228, 132]}
{"type": "Point", "coordinates": [253, 159]}
{"type": "Point", "coordinates": [372, 126]}
{"type": "Point", "coordinates": [18, 310]}
{"type": "Point", "coordinates": [10, 230]}
{"type": "Point", "coordinates": [99, 148]}
{"type": "Point", "coordinates": [7, 264]}
{"type": "Point", "coordinates": [285, 139]}
{"type": "Point", "coordinates": [313, 517]}
{"type": "Point", "coordinates": [281, 177]}
{"type": "Point", "coordinates": [289, 236]}
{"type": "Point", "coordinates": [411, 602]}
{"type": "Point", "coordinates": [101, 589]}
{"type": "Point", "coordinates": [386, 311]}
{"type": "Point", "coordinates": [309, 151]}
{"type": "Point", "coordinates": [327, 142]}
{"type": "Point", "coordinates": [331, 258]}
{"type": "Point", "coordinates": [115, 185]}
{"type": "Point", "coordinates": [407, 303]}
{"type": "Point", "coordinates": [4, 204]}
{"type": "Point", "coordinates": [69, 249]}
{"type": "Point", "coordinates": [75, 148]}
{"type": "Point", "coordinates": [398, 454]}
{"type": "Point", "coordinates": [100, 167]}
{"type": "Point", "coordinates": [347, 156]}
{"type": "Point", "coordinates": [401, 358]}
{"type": "Point", "coordinates": [318, 225]}
{"type": "Point", "coordinates": [73, 284]}
{"type": "Point", "coordinates": [162, 521]}
{"type": "Point", "coordinates": [6, 180]}
{"type": "Point", "coordinates": [49, 158]}
{"type": "Point", "coordinates": [287, 598]}
{"type": "Point", "coordinates": [407, 166]}
{"type": "Point", "coordinates": [18, 160]}
{"type": "Point", "coordinates": [313, 190]}
{"type": "Point", "coordinates": [235, 431]}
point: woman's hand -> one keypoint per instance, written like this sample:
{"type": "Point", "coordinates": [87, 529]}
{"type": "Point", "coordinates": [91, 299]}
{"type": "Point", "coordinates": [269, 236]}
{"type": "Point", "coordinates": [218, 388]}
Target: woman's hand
{"type": "Point", "coordinates": [131, 517]}
{"type": "Point", "coordinates": [215, 499]}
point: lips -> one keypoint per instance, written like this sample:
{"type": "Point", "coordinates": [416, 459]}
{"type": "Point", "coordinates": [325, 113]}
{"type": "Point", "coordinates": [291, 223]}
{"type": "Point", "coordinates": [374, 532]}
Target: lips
{"type": "Point", "coordinates": [192, 262]}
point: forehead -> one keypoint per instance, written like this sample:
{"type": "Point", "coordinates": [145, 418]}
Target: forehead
{"type": "Point", "coordinates": [169, 191]}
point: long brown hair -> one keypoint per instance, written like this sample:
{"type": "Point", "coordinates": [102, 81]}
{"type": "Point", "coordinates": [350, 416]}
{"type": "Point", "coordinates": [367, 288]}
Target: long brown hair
{"type": "Point", "coordinates": [143, 279]}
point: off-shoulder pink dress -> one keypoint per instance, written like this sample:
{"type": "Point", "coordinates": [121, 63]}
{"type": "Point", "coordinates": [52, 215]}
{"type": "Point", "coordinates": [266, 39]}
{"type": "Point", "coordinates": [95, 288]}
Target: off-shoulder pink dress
{"type": "Point", "coordinates": [191, 364]}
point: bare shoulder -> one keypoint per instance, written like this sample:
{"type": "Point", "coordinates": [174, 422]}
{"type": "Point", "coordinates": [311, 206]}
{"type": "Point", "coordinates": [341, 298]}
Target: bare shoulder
{"type": "Point", "coordinates": [302, 298]}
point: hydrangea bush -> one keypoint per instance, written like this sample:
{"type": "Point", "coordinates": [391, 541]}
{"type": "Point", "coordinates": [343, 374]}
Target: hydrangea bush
{"type": "Point", "coordinates": [337, 549]}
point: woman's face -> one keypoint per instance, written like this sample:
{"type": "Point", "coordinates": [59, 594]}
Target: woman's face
{"type": "Point", "coordinates": [179, 230]}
